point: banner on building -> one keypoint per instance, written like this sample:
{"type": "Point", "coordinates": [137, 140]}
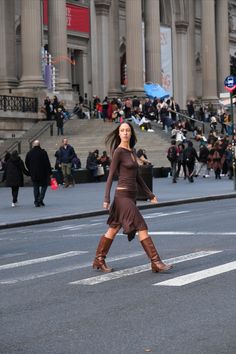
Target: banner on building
{"type": "Point", "coordinates": [166, 59]}
{"type": "Point", "coordinates": [77, 17]}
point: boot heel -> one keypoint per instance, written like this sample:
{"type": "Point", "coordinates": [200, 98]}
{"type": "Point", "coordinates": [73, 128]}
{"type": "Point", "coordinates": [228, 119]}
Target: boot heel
{"type": "Point", "coordinates": [155, 270]}
{"type": "Point", "coordinates": [102, 250]}
{"type": "Point", "coordinates": [161, 267]}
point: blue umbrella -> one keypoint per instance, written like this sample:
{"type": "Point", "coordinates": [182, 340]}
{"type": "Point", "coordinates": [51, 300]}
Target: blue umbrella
{"type": "Point", "coordinates": [155, 90]}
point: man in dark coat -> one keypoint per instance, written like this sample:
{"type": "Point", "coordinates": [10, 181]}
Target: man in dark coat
{"type": "Point", "coordinates": [39, 167]}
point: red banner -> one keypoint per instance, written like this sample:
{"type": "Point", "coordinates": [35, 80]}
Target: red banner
{"type": "Point", "coordinates": [77, 17]}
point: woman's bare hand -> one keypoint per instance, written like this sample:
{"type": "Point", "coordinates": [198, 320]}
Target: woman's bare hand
{"type": "Point", "coordinates": [106, 205]}
{"type": "Point", "coordinates": [154, 200]}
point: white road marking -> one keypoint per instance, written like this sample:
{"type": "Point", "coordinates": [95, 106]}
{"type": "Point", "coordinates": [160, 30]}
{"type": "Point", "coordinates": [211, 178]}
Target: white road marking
{"type": "Point", "coordinates": [190, 233]}
{"type": "Point", "coordinates": [153, 233]}
{"type": "Point", "coordinates": [69, 227]}
{"type": "Point", "coordinates": [203, 274]}
{"type": "Point", "coordinates": [41, 260]}
{"type": "Point", "coordinates": [158, 215]}
{"type": "Point", "coordinates": [139, 269]}
{"type": "Point", "coordinates": [9, 255]}
{"type": "Point", "coordinates": [65, 269]}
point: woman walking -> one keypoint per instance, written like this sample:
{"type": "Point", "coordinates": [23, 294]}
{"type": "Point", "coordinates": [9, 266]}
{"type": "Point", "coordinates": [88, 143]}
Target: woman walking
{"type": "Point", "coordinates": [123, 211]}
{"type": "Point", "coordinates": [13, 175]}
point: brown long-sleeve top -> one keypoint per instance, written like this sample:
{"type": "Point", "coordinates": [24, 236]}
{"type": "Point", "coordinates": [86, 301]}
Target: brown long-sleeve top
{"type": "Point", "coordinates": [124, 164]}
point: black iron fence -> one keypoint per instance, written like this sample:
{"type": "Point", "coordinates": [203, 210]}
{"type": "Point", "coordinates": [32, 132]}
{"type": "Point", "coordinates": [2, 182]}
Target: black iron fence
{"type": "Point", "coordinates": [18, 103]}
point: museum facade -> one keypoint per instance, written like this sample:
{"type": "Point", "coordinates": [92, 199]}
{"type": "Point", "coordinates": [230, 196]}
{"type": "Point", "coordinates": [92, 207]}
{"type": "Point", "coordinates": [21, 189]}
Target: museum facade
{"type": "Point", "coordinates": [112, 47]}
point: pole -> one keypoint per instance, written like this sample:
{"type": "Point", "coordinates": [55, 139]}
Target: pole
{"type": "Point", "coordinates": [233, 139]}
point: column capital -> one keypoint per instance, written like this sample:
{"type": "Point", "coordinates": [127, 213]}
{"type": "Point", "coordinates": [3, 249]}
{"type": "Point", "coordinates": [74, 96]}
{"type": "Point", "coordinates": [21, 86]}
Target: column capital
{"type": "Point", "coordinates": [102, 7]}
{"type": "Point", "coordinates": [181, 26]}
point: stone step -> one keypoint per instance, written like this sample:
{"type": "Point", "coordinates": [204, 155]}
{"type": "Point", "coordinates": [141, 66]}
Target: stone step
{"type": "Point", "coordinates": [87, 135]}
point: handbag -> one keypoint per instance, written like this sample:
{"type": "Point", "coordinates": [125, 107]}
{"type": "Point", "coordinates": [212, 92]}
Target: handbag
{"type": "Point", "coordinates": [100, 171]}
{"type": "Point", "coordinates": [53, 184]}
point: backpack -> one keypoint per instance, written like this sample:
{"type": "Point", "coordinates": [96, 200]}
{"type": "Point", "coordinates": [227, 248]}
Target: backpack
{"type": "Point", "coordinates": [172, 154]}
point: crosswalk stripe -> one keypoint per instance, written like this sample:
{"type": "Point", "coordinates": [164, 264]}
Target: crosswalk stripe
{"type": "Point", "coordinates": [64, 269]}
{"type": "Point", "coordinates": [203, 274]}
{"type": "Point", "coordinates": [190, 233]}
{"type": "Point", "coordinates": [41, 260]}
{"type": "Point", "coordinates": [158, 215]}
{"type": "Point", "coordinates": [139, 269]}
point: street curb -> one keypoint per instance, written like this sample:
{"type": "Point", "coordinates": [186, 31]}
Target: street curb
{"type": "Point", "coordinates": [105, 212]}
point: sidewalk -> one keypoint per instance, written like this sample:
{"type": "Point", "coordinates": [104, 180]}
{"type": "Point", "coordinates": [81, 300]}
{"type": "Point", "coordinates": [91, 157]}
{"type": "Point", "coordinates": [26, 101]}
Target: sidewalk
{"type": "Point", "coordinates": [87, 199]}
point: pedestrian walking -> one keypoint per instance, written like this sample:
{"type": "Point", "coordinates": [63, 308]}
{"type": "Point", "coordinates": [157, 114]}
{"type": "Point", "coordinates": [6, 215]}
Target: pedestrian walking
{"type": "Point", "coordinates": [39, 167]}
{"type": "Point", "coordinates": [189, 157]}
{"type": "Point", "coordinates": [172, 155]}
{"type": "Point", "coordinates": [181, 162]}
{"type": "Point", "coordinates": [13, 175]}
{"type": "Point", "coordinates": [123, 211]}
{"type": "Point", "coordinates": [203, 158]}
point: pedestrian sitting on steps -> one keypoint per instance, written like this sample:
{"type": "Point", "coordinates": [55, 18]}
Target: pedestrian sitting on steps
{"type": "Point", "coordinates": [123, 211]}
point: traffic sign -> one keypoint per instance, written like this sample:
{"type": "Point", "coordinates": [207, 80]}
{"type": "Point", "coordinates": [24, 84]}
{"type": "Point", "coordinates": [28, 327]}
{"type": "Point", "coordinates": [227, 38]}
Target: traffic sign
{"type": "Point", "coordinates": [230, 83]}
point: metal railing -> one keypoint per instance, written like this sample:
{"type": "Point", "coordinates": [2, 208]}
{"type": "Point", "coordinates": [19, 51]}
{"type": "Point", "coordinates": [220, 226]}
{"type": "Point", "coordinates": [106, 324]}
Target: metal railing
{"type": "Point", "coordinates": [47, 126]}
{"type": "Point", "coordinates": [16, 145]}
{"type": "Point", "coordinates": [183, 114]}
{"type": "Point", "coordinates": [18, 103]}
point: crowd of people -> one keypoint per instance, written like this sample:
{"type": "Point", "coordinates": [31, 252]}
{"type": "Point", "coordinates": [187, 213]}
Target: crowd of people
{"type": "Point", "coordinates": [191, 154]}
{"type": "Point", "coordinates": [212, 153]}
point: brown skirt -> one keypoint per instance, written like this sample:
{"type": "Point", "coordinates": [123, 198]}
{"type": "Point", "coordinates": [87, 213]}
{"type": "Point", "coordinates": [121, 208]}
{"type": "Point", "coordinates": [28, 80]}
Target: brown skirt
{"type": "Point", "coordinates": [124, 213]}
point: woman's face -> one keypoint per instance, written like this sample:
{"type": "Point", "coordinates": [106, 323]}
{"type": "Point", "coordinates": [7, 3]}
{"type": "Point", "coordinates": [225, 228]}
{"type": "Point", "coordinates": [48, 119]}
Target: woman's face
{"type": "Point", "coordinates": [125, 132]}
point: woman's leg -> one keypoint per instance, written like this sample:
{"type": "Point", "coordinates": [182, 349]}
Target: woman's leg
{"type": "Point", "coordinates": [103, 248]}
{"type": "Point", "coordinates": [149, 247]}
{"type": "Point", "coordinates": [14, 191]}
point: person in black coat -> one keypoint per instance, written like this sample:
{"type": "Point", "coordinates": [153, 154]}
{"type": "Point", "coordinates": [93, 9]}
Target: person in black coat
{"type": "Point", "coordinates": [39, 167]}
{"type": "Point", "coordinates": [60, 121]}
{"type": "Point", "coordinates": [189, 158]}
{"type": "Point", "coordinates": [13, 175]}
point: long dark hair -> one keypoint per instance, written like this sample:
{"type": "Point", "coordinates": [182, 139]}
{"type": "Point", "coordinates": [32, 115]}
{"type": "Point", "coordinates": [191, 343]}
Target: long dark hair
{"type": "Point", "coordinates": [113, 139]}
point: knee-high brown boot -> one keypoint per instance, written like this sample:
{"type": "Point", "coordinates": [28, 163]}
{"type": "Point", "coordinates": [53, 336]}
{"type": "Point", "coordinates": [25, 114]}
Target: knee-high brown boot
{"type": "Point", "coordinates": [156, 263]}
{"type": "Point", "coordinates": [102, 250]}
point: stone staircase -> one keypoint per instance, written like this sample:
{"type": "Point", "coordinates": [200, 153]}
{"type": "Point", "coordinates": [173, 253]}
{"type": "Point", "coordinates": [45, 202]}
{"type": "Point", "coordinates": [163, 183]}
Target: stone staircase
{"type": "Point", "coordinates": [87, 135]}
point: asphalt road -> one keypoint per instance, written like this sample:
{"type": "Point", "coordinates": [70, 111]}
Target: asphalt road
{"type": "Point", "coordinates": [52, 302]}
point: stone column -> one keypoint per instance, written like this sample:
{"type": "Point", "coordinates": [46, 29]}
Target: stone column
{"type": "Point", "coordinates": [209, 77]}
{"type": "Point", "coordinates": [134, 47]}
{"type": "Point", "coordinates": [7, 45]}
{"type": "Point", "coordinates": [191, 92]}
{"type": "Point", "coordinates": [57, 42]}
{"type": "Point", "coordinates": [114, 53]}
{"type": "Point", "coordinates": [102, 11]}
{"type": "Point", "coordinates": [222, 43]}
{"type": "Point", "coordinates": [182, 61]}
{"type": "Point", "coordinates": [152, 41]}
{"type": "Point", "coordinates": [83, 72]}
{"type": "Point", "coordinates": [31, 45]}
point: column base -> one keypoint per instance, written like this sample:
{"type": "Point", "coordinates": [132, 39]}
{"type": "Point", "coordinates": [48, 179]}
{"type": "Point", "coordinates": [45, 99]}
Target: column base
{"type": "Point", "coordinates": [135, 92]}
{"type": "Point", "coordinates": [213, 99]}
{"type": "Point", "coordinates": [8, 84]}
{"type": "Point", "coordinates": [32, 83]}
{"type": "Point", "coordinates": [63, 85]}
{"type": "Point", "coordinates": [113, 93]}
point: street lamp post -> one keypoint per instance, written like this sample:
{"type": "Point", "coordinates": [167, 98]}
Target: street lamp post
{"type": "Point", "coordinates": [233, 139]}
{"type": "Point", "coordinates": [230, 86]}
